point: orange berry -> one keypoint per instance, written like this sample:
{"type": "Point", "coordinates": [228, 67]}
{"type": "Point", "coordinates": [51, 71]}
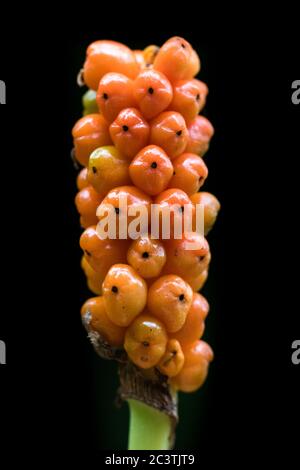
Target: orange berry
{"type": "Point", "coordinates": [197, 357]}
{"type": "Point", "coordinates": [169, 299]}
{"type": "Point", "coordinates": [107, 169]}
{"type": "Point", "coordinates": [125, 294]}
{"type": "Point", "coordinates": [189, 97]}
{"type": "Point", "coordinates": [147, 256]}
{"type": "Point", "coordinates": [177, 201]}
{"type": "Point", "coordinates": [94, 279]}
{"type": "Point", "coordinates": [200, 133]}
{"type": "Point", "coordinates": [197, 282]}
{"type": "Point", "coordinates": [94, 311]}
{"type": "Point", "coordinates": [189, 174]}
{"type": "Point", "coordinates": [140, 59]}
{"type": "Point", "coordinates": [211, 207]}
{"type": "Point", "coordinates": [81, 180]}
{"type": "Point", "coordinates": [168, 131]}
{"type": "Point", "coordinates": [153, 92]}
{"type": "Point", "coordinates": [149, 53]}
{"type": "Point", "coordinates": [176, 59]}
{"type": "Point", "coordinates": [185, 260]}
{"type": "Point", "coordinates": [101, 254]}
{"type": "Point", "coordinates": [87, 200]}
{"type": "Point", "coordinates": [108, 56]}
{"type": "Point", "coordinates": [129, 132]}
{"type": "Point", "coordinates": [145, 341]}
{"type": "Point", "coordinates": [151, 170]}
{"type": "Point", "coordinates": [125, 199]}
{"type": "Point", "coordinates": [114, 94]}
{"type": "Point", "coordinates": [194, 325]}
{"type": "Point", "coordinates": [172, 361]}
{"type": "Point", "coordinates": [89, 133]}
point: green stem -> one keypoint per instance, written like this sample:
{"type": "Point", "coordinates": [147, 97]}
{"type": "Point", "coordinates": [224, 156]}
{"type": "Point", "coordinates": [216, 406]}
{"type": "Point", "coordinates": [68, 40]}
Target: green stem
{"type": "Point", "coordinates": [149, 429]}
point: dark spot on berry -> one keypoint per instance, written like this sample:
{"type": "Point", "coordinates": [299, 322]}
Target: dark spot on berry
{"type": "Point", "coordinates": [148, 65]}
{"type": "Point", "coordinates": [105, 96]}
{"type": "Point", "coordinates": [181, 209]}
{"type": "Point", "coordinates": [201, 258]}
{"type": "Point", "coordinates": [125, 128]}
{"type": "Point", "coordinates": [179, 133]}
{"type": "Point", "coordinates": [200, 178]}
{"type": "Point", "coordinates": [145, 254]}
{"type": "Point", "coordinates": [94, 169]}
{"type": "Point", "coordinates": [174, 173]}
{"type": "Point", "coordinates": [150, 90]}
{"type": "Point", "coordinates": [181, 297]}
{"type": "Point", "coordinates": [114, 289]}
{"type": "Point", "coordinates": [117, 210]}
{"type": "Point", "coordinates": [146, 344]}
{"type": "Point", "coordinates": [87, 253]}
{"type": "Point", "coordinates": [174, 353]}
{"type": "Point", "coordinates": [198, 97]}
{"type": "Point", "coordinates": [153, 165]}
{"type": "Point", "coordinates": [183, 45]}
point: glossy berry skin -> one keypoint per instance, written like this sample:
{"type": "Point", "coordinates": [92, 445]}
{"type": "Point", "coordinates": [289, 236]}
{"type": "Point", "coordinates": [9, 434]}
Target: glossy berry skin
{"type": "Point", "coordinates": [185, 260]}
{"type": "Point", "coordinates": [197, 282]}
{"type": "Point", "coordinates": [129, 132]}
{"type": "Point", "coordinates": [114, 93]}
{"type": "Point", "coordinates": [131, 196]}
{"type": "Point", "coordinates": [151, 170]}
{"type": "Point", "coordinates": [81, 180]}
{"type": "Point", "coordinates": [190, 173]}
{"type": "Point", "coordinates": [200, 132]}
{"type": "Point", "coordinates": [107, 168]}
{"type": "Point", "coordinates": [169, 300]}
{"type": "Point", "coordinates": [178, 200]}
{"type": "Point", "coordinates": [153, 92]}
{"type": "Point", "coordinates": [147, 256]}
{"type": "Point", "coordinates": [149, 53]}
{"type": "Point", "coordinates": [168, 131]}
{"type": "Point", "coordinates": [189, 97]}
{"type": "Point", "coordinates": [145, 341]}
{"type": "Point", "coordinates": [103, 57]}
{"type": "Point", "coordinates": [89, 103]}
{"type": "Point", "coordinates": [94, 279]}
{"type": "Point", "coordinates": [101, 254]}
{"type": "Point", "coordinates": [176, 60]}
{"type": "Point", "coordinates": [197, 355]}
{"type": "Point", "coordinates": [194, 325]}
{"type": "Point", "coordinates": [140, 59]}
{"type": "Point", "coordinates": [89, 133]}
{"type": "Point", "coordinates": [87, 200]}
{"type": "Point", "coordinates": [172, 361]}
{"type": "Point", "coordinates": [211, 207]}
{"type": "Point", "coordinates": [93, 311]}
{"type": "Point", "coordinates": [194, 65]}
{"type": "Point", "coordinates": [125, 294]}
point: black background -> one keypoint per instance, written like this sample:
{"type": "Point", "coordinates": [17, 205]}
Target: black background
{"type": "Point", "coordinates": [55, 396]}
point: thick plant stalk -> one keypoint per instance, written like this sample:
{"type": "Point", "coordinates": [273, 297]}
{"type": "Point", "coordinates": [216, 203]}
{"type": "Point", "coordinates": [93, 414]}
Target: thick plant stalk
{"type": "Point", "coordinates": [153, 409]}
{"type": "Point", "coordinates": [149, 429]}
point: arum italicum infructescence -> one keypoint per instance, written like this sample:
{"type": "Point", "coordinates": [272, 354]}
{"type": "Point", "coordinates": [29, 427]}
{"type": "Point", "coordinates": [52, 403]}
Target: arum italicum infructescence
{"type": "Point", "coordinates": [141, 143]}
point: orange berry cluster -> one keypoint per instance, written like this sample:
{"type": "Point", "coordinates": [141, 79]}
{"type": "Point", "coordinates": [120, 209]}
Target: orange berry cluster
{"type": "Point", "coordinates": [146, 143]}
